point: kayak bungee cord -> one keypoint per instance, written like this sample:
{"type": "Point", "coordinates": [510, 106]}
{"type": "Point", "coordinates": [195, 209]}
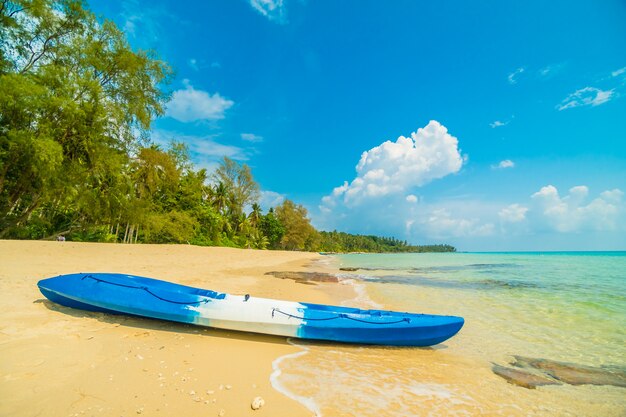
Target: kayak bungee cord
{"type": "Point", "coordinates": [338, 316]}
{"type": "Point", "coordinates": [146, 289]}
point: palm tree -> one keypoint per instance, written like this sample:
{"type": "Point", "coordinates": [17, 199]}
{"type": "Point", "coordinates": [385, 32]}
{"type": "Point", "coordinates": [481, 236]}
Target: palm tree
{"type": "Point", "coordinates": [259, 240]}
{"type": "Point", "coordinates": [220, 197]}
{"type": "Point", "coordinates": [255, 215]}
{"type": "Point", "coordinates": [242, 223]}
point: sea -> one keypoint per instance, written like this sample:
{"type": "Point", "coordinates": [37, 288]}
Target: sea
{"type": "Point", "coordinates": [558, 306]}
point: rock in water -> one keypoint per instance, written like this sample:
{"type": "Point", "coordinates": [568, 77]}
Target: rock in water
{"type": "Point", "coordinates": [575, 374]}
{"type": "Point", "coordinates": [257, 403]}
{"type": "Point", "coordinates": [304, 277]}
{"type": "Point", "coordinates": [522, 377]}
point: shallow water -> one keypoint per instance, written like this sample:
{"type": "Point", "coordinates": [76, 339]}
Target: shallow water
{"type": "Point", "coordinates": [568, 307]}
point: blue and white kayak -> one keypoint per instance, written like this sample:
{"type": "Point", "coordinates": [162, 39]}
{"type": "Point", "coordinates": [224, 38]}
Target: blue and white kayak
{"type": "Point", "coordinates": [147, 297]}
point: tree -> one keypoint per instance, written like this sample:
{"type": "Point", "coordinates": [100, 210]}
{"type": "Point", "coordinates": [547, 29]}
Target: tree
{"type": "Point", "coordinates": [238, 180]}
{"type": "Point", "coordinates": [220, 197]}
{"type": "Point", "coordinates": [299, 234]}
{"type": "Point", "coordinates": [75, 99]}
{"type": "Point", "coordinates": [272, 228]}
{"type": "Point", "coordinates": [255, 215]}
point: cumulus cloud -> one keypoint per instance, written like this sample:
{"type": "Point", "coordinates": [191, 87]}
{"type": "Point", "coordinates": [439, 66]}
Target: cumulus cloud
{"type": "Point", "coordinates": [588, 96]}
{"type": "Point", "coordinates": [274, 10]}
{"type": "Point", "coordinates": [189, 105]}
{"type": "Point", "coordinates": [575, 213]}
{"type": "Point", "coordinates": [251, 137]}
{"type": "Point", "coordinates": [440, 223]}
{"type": "Point", "coordinates": [512, 77]}
{"type": "Point", "coordinates": [411, 198]}
{"type": "Point", "coordinates": [514, 213]}
{"type": "Point", "coordinates": [507, 163]}
{"type": "Point", "coordinates": [394, 167]}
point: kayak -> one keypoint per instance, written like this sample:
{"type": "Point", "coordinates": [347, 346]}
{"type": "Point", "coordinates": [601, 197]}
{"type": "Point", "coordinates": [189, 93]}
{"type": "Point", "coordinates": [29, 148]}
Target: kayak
{"type": "Point", "coordinates": [148, 297]}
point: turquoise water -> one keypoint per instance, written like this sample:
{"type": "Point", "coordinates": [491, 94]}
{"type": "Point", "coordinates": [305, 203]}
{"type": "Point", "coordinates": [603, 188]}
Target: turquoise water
{"type": "Point", "coordinates": [568, 307]}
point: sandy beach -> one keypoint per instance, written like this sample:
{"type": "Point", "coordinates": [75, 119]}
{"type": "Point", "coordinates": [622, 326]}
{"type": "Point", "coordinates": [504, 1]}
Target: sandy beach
{"type": "Point", "coordinates": [57, 361]}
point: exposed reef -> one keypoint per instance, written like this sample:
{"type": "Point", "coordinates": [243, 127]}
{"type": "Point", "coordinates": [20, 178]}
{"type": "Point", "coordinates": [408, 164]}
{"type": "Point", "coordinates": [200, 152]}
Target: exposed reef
{"type": "Point", "coordinates": [532, 372]}
{"type": "Point", "coordinates": [309, 278]}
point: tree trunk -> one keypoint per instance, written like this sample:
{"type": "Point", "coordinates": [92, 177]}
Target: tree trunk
{"type": "Point", "coordinates": [132, 231]}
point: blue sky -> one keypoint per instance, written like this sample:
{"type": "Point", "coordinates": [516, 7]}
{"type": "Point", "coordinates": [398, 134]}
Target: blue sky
{"type": "Point", "coordinates": [495, 126]}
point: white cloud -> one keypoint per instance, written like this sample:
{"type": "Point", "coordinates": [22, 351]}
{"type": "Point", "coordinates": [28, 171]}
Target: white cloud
{"type": "Point", "coordinates": [394, 167]}
{"type": "Point", "coordinates": [411, 198]}
{"type": "Point", "coordinates": [588, 96]}
{"type": "Point", "coordinates": [551, 70]}
{"type": "Point", "coordinates": [612, 196]}
{"type": "Point", "coordinates": [193, 63]}
{"type": "Point", "coordinates": [270, 199]}
{"type": "Point", "coordinates": [572, 213]}
{"type": "Point", "coordinates": [145, 24]}
{"type": "Point", "coordinates": [130, 26]}
{"type": "Point", "coordinates": [618, 72]}
{"type": "Point", "coordinates": [498, 123]}
{"type": "Point", "coordinates": [205, 151]}
{"type": "Point", "coordinates": [274, 10]}
{"type": "Point", "coordinates": [544, 72]}
{"type": "Point", "coordinates": [440, 223]}
{"type": "Point", "coordinates": [189, 105]}
{"type": "Point", "coordinates": [514, 213]}
{"type": "Point", "coordinates": [251, 137]}
{"type": "Point", "coordinates": [507, 163]}
{"type": "Point", "coordinates": [512, 77]}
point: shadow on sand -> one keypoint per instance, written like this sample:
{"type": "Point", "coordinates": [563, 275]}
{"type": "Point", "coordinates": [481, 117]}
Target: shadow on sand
{"type": "Point", "coordinates": [146, 323]}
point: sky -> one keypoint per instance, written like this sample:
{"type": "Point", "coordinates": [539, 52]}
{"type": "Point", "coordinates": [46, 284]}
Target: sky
{"type": "Point", "coordinates": [495, 126]}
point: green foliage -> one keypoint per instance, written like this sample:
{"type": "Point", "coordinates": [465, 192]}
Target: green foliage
{"type": "Point", "coordinates": [272, 229]}
{"type": "Point", "coordinates": [238, 180]}
{"type": "Point", "coordinates": [171, 227]}
{"type": "Point", "coordinates": [299, 234]}
{"type": "Point", "coordinates": [345, 242]}
{"type": "Point", "coordinates": [75, 99]}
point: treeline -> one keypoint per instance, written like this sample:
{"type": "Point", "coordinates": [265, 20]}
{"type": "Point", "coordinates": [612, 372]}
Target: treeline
{"type": "Point", "coordinates": [76, 108]}
{"type": "Point", "coordinates": [345, 242]}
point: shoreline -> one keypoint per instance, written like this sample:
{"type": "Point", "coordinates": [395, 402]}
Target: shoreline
{"type": "Point", "coordinates": [60, 361]}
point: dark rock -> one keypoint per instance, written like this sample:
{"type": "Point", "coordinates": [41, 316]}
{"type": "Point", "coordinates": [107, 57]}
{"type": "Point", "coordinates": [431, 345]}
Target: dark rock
{"type": "Point", "coordinates": [304, 277]}
{"type": "Point", "coordinates": [575, 374]}
{"type": "Point", "coordinates": [345, 268]}
{"type": "Point", "coordinates": [522, 377]}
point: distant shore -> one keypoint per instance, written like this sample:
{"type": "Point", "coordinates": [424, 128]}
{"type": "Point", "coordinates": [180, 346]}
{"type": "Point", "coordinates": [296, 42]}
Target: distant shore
{"type": "Point", "coordinates": [59, 361]}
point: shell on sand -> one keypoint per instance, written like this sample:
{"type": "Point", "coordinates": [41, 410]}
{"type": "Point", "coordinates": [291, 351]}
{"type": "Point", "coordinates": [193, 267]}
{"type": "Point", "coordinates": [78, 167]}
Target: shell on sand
{"type": "Point", "coordinates": [257, 403]}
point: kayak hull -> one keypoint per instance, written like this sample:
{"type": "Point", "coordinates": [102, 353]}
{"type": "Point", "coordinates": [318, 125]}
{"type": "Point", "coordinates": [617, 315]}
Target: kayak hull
{"type": "Point", "coordinates": [147, 297]}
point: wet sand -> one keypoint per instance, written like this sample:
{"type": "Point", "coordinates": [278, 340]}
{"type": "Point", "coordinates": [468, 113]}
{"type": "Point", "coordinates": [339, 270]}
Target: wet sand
{"type": "Point", "coordinates": [56, 361]}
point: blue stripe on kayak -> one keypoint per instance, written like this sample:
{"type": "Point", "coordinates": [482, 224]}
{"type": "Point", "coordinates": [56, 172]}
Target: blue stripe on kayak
{"type": "Point", "coordinates": [376, 326]}
{"type": "Point", "coordinates": [124, 294]}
